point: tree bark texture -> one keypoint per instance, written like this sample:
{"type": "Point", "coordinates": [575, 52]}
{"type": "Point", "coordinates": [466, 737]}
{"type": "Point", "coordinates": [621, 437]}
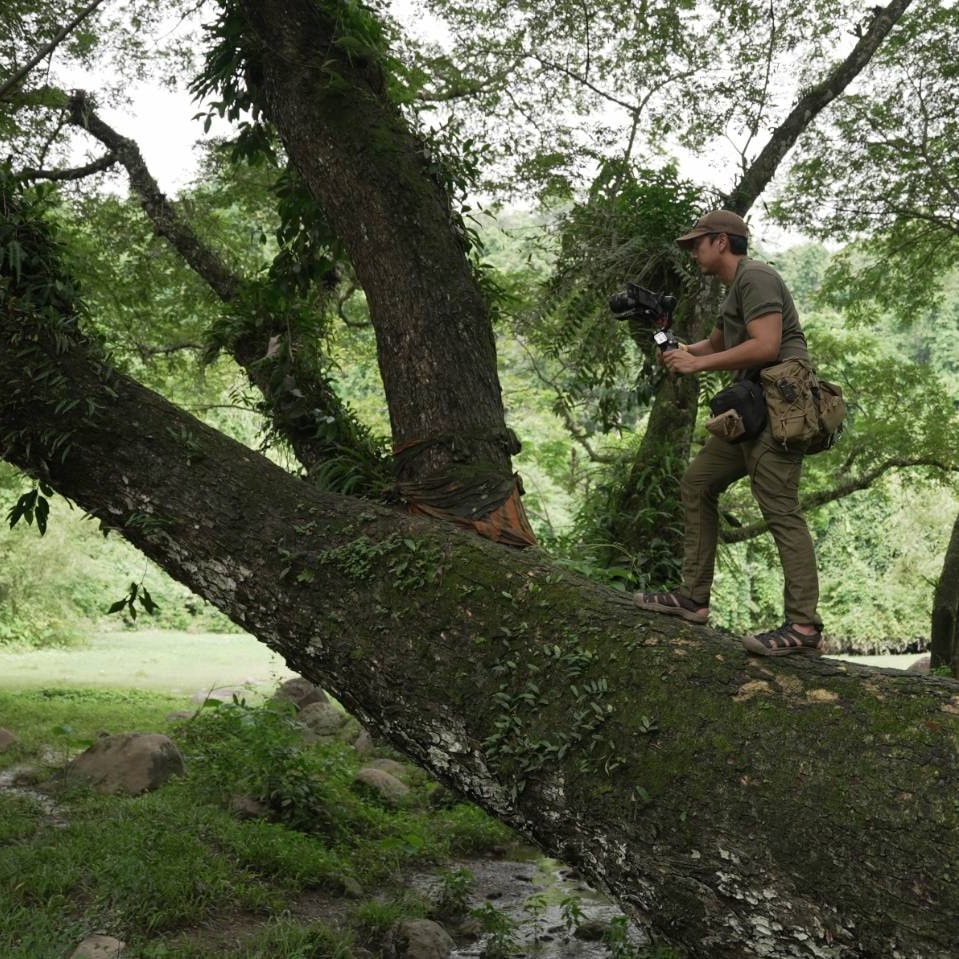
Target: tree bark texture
{"type": "Point", "coordinates": [738, 807]}
{"type": "Point", "coordinates": [944, 636]}
{"type": "Point", "coordinates": [372, 177]}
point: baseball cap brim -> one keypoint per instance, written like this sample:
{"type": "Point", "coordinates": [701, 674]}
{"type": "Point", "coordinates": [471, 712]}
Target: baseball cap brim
{"type": "Point", "coordinates": [688, 238]}
{"type": "Point", "coordinates": [718, 221]}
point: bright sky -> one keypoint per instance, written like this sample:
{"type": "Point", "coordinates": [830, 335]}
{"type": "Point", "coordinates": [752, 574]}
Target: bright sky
{"type": "Point", "coordinates": [161, 123]}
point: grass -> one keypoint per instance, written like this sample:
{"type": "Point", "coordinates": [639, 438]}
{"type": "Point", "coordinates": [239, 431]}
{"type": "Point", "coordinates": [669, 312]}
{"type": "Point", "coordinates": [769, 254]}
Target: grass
{"type": "Point", "coordinates": [166, 870]}
{"type": "Point", "coordinates": [159, 660]}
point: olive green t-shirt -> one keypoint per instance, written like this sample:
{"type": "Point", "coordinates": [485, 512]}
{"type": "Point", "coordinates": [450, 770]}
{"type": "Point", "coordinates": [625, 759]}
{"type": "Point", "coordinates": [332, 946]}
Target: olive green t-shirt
{"type": "Point", "coordinates": [757, 289]}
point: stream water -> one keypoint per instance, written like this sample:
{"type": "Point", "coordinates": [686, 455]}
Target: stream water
{"type": "Point", "coordinates": [539, 908]}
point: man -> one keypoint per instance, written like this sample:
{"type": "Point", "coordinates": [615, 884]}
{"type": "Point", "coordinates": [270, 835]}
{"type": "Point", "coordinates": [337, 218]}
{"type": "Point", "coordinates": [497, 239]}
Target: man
{"type": "Point", "coordinates": [758, 326]}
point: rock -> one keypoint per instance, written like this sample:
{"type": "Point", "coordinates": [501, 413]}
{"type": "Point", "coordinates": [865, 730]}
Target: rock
{"type": "Point", "coordinates": [130, 763]}
{"type": "Point", "coordinates": [387, 787]}
{"type": "Point", "coordinates": [351, 889]}
{"type": "Point", "coordinates": [224, 694]}
{"type": "Point", "coordinates": [921, 665]}
{"type": "Point", "coordinates": [247, 808]}
{"type": "Point", "coordinates": [363, 744]}
{"type": "Point", "coordinates": [99, 947]}
{"type": "Point", "coordinates": [397, 770]}
{"type": "Point", "coordinates": [301, 692]}
{"type": "Point", "coordinates": [321, 720]}
{"type": "Point", "coordinates": [349, 731]}
{"type": "Point", "coordinates": [420, 939]}
{"type": "Point", "coordinates": [7, 739]}
{"type": "Point", "coordinates": [180, 715]}
{"type": "Point", "coordinates": [471, 928]}
{"type": "Point", "coordinates": [591, 930]}
{"type": "Point", "coordinates": [324, 722]}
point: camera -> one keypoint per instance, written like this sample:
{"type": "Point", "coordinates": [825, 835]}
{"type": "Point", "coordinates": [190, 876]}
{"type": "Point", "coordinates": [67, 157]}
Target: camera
{"type": "Point", "coordinates": [665, 340]}
{"type": "Point", "coordinates": [635, 302]}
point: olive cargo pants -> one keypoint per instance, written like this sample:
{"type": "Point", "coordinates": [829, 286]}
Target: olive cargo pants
{"type": "Point", "coordinates": [774, 476]}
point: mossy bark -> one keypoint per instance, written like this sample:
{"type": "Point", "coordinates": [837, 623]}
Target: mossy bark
{"type": "Point", "coordinates": [945, 609]}
{"type": "Point", "coordinates": [738, 807]}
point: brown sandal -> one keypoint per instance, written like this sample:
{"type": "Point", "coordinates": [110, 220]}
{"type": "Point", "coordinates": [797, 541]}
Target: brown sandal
{"type": "Point", "coordinates": [783, 641]}
{"type": "Point", "coordinates": [672, 604]}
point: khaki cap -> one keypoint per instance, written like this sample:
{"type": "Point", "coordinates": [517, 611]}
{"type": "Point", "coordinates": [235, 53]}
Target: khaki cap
{"type": "Point", "coordinates": [719, 221]}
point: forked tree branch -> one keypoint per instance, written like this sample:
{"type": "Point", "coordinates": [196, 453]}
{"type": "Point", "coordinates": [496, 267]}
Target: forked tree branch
{"type": "Point", "coordinates": [13, 81]}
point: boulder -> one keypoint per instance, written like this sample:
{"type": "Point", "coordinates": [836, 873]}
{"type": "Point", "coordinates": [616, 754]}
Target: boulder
{"type": "Point", "coordinates": [420, 939]}
{"type": "Point", "coordinates": [130, 763]}
{"type": "Point", "coordinates": [99, 947]}
{"type": "Point", "coordinates": [247, 808]}
{"type": "Point", "coordinates": [387, 787]}
{"type": "Point", "coordinates": [591, 930]}
{"type": "Point", "coordinates": [324, 722]}
{"type": "Point", "coordinates": [399, 771]}
{"type": "Point", "coordinates": [301, 692]}
{"type": "Point", "coordinates": [921, 665]}
{"type": "Point", "coordinates": [363, 743]}
{"type": "Point", "coordinates": [321, 720]}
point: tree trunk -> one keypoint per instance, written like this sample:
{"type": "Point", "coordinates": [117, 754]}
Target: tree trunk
{"type": "Point", "coordinates": [372, 178]}
{"type": "Point", "coordinates": [945, 610]}
{"type": "Point", "coordinates": [735, 806]}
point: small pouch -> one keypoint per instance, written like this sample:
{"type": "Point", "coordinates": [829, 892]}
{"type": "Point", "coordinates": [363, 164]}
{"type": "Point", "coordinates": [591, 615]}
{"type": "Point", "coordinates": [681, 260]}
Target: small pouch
{"type": "Point", "coordinates": [832, 416]}
{"type": "Point", "coordinates": [727, 426]}
{"type": "Point", "coordinates": [745, 400]}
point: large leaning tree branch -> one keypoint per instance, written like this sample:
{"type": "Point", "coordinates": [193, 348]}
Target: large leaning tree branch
{"type": "Point", "coordinates": [302, 406]}
{"type": "Point", "coordinates": [812, 102]}
{"type": "Point", "coordinates": [737, 807]}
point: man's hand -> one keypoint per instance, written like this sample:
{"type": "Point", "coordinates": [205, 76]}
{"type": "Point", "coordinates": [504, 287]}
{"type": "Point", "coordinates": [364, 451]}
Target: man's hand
{"type": "Point", "coordinates": [680, 361]}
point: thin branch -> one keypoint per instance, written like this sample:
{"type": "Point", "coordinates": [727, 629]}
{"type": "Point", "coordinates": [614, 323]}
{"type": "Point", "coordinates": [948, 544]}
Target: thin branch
{"type": "Point", "coordinates": [158, 208]}
{"type": "Point", "coordinates": [9, 84]}
{"type": "Point", "coordinates": [854, 485]}
{"type": "Point", "coordinates": [147, 352]}
{"type": "Point", "coordinates": [579, 78]}
{"type": "Point", "coordinates": [105, 162]}
{"type": "Point", "coordinates": [767, 80]}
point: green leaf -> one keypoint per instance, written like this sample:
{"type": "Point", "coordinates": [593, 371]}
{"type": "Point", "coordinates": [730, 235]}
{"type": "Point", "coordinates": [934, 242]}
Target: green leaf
{"type": "Point", "coordinates": [23, 509]}
{"type": "Point", "coordinates": [146, 601]}
{"type": "Point", "coordinates": [42, 512]}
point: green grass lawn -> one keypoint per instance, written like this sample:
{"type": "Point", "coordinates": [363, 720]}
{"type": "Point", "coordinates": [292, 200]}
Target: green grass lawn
{"type": "Point", "coordinates": [162, 661]}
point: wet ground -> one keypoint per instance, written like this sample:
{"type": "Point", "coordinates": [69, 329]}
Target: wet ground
{"type": "Point", "coordinates": [540, 908]}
